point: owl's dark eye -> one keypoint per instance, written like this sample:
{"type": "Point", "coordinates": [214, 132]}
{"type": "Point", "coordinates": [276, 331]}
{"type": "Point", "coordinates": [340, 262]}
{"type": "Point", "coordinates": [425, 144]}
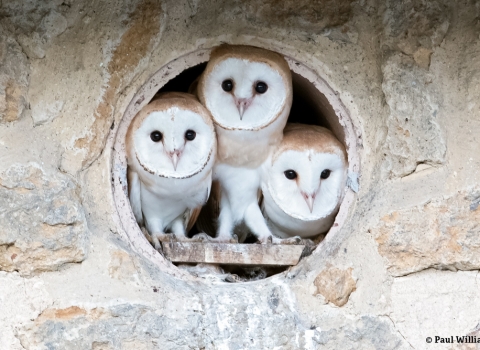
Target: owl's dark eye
{"type": "Point", "coordinates": [190, 135]}
{"type": "Point", "coordinates": [261, 87]}
{"type": "Point", "coordinates": [325, 174]}
{"type": "Point", "coordinates": [227, 85]}
{"type": "Point", "coordinates": [290, 174]}
{"type": "Point", "coordinates": [156, 136]}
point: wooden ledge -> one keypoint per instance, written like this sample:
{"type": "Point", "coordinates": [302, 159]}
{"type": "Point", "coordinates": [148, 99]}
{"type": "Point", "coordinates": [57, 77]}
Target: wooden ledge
{"type": "Point", "coordinates": [233, 254]}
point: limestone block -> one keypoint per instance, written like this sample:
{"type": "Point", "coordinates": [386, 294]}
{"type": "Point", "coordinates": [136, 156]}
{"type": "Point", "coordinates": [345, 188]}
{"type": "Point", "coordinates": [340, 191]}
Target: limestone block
{"type": "Point", "coordinates": [410, 25]}
{"type": "Point", "coordinates": [53, 24]}
{"type": "Point", "coordinates": [14, 78]}
{"type": "Point", "coordinates": [42, 223]}
{"type": "Point", "coordinates": [414, 135]}
{"type": "Point", "coordinates": [469, 72]}
{"type": "Point", "coordinates": [219, 322]}
{"type": "Point", "coordinates": [364, 332]}
{"type": "Point", "coordinates": [443, 233]}
{"type": "Point", "coordinates": [21, 300]}
{"type": "Point", "coordinates": [118, 327]}
{"type": "Point", "coordinates": [44, 111]}
{"type": "Point", "coordinates": [27, 15]}
{"type": "Point", "coordinates": [422, 57]}
{"type": "Point", "coordinates": [435, 303]}
{"type": "Point", "coordinates": [32, 44]}
{"type": "Point", "coordinates": [36, 43]}
{"type": "Point", "coordinates": [304, 13]}
{"type": "Point", "coordinates": [335, 285]}
{"type": "Point", "coordinates": [122, 266]}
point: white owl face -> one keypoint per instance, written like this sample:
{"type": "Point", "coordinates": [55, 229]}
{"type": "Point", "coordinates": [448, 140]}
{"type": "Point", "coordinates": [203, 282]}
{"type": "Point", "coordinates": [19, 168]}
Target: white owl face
{"type": "Point", "coordinates": [244, 90]}
{"type": "Point", "coordinates": [173, 142]}
{"type": "Point", "coordinates": [307, 185]}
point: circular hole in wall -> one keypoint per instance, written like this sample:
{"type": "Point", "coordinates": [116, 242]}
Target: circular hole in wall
{"type": "Point", "coordinates": [314, 102]}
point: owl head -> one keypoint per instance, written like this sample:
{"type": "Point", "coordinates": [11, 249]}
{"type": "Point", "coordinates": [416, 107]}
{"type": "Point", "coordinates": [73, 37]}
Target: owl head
{"type": "Point", "coordinates": [306, 175]}
{"type": "Point", "coordinates": [245, 88]}
{"type": "Point", "coordinates": [172, 137]}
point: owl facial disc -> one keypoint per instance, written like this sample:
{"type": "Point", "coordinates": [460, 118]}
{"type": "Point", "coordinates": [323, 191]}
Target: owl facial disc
{"type": "Point", "coordinates": [306, 185]}
{"type": "Point", "coordinates": [245, 88]}
{"type": "Point", "coordinates": [173, 141]}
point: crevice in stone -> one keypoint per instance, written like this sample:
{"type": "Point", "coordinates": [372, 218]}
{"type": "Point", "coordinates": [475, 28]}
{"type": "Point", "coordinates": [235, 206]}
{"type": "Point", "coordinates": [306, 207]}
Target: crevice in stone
{"type": "Point", "coordinates": [414, 171]}
{"type": "Point", "coordinates": [395, 327]}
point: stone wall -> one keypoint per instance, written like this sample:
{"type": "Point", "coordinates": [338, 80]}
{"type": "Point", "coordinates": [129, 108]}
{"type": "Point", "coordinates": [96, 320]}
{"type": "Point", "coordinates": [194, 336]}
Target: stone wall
{"type": "Point", "coordinates": [402, 268]}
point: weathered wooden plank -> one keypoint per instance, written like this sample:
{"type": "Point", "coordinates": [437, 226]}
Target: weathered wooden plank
{"type": "Point", "coordinates": [233, 254]}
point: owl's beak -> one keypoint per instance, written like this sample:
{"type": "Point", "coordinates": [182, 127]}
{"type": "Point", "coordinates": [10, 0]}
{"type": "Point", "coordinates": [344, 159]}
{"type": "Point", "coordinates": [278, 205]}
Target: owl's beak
{"type": "Point", "coordinates": [174, 156]}
{"type": "Point", "coordinates": [310, 199]}
{"type": "Point", "coordinates": [242, 105]}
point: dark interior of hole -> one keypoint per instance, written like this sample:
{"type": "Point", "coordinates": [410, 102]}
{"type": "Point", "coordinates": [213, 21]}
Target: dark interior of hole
{"type": "Point", "coordinates": [307, 105]}
{"type": "Point", "coordinates": [182, 82]}
{"type": "Point", "coordinates": [303, 110]}
{"type": "Point", "coordinates": [248, 273]}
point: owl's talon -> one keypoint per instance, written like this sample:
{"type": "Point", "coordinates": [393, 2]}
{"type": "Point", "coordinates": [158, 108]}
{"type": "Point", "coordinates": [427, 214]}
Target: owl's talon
{"type": "Point", "coordinates": [308, 242]}
{"type": "Point", "coordinates": [266, 240]}
{"type": "Point", "coordinates": [296, 240]}
{"type": "Point", "coordinates": [201, 237]}
{"type": "Point", "coordinates": [225, 239]}
{"type": "Point", "coordinates": [162, 237]}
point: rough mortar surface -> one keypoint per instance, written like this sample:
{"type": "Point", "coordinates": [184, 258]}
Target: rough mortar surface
{"type": "Point", "coordinates": [404, 265]}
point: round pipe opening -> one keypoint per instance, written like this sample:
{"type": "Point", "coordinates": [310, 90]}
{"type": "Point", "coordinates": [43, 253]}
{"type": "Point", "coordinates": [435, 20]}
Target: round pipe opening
{"type": "Point", "coordinates": [314, 102]}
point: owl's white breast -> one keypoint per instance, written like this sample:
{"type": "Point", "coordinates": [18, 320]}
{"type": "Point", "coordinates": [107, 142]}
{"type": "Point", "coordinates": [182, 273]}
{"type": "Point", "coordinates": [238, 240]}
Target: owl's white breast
{"type": "Point", "coordinates": [243, 148]}
{"type": "Point", "coordinates": [283, 225]}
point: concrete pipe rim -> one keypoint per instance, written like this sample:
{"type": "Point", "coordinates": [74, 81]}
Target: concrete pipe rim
{"type": "Point", "coordinates": [330, 105]}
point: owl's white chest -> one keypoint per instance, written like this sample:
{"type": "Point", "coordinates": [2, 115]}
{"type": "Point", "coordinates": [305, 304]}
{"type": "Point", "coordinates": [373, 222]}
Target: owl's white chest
{"type": "Point", "coordinates": [165, 199]}
{"type": "Point", "coordinates": [240, 186]}
{"type": "Point", "coordinates": [283, 225]}
{"type": "Point", "coordinates": [249, 148]}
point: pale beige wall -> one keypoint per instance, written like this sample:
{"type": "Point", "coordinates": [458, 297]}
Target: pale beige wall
{"type": "Point", "coordinates": [406, 260]}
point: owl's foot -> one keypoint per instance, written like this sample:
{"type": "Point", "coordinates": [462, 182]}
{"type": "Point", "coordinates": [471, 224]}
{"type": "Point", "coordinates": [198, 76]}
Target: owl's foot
{"type": "Point", "coordinates": [296, 240]}
{"type": "Point", "coordinates": [161, 237]}
{"type": "Point", "coordinates": [224, 239]}
{"type": "Point", "coordinates": [265, 240]}
{"type": "Point", "coordinates": [308, 242]}
{"type": "Point", "coordinates": [202, 237]}
{"type": "Point", "coordinates": [275, 240]}
{"type": "Point", "coordinates": [147, 235]}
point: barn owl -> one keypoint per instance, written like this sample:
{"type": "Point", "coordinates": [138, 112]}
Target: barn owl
{"type": "Point", "coordinates": [171, 148]}
{"type": "Point", "coordinates": [303, 182]}
{"type": "Point", "coordinates": [248, 92]}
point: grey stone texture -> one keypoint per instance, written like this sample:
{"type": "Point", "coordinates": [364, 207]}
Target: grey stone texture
{"type": "Point", "coordinates": [14, 78]}
{"type": "Point", "coordinates": [414, 135]}
{"type": "Point", "coordinates": [42, 223]}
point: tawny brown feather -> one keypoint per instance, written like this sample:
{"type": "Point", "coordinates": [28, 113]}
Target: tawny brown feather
{"type": "Point", "coordinates": [301, 137]}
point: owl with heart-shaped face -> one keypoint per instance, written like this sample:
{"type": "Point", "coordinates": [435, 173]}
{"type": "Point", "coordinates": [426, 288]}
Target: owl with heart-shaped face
{"type": "Point", "coordinates": [248, 92]}
{"type": "Point", "coordinates": [171, 149]}
{"type": "Point", "coordinates": [304, 181]}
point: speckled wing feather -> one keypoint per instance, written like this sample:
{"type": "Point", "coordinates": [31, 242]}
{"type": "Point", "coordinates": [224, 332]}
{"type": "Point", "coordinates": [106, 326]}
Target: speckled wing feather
{"type": "Point", "coordinates": [191, 217]}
